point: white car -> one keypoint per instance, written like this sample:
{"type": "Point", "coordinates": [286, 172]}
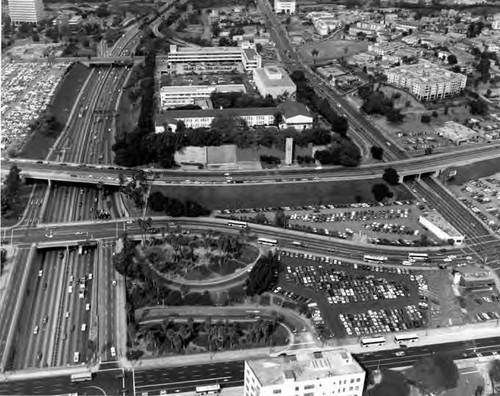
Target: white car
{"type": "Point", "coordinates": [70, 289]}
{"type": "Point", "coordinates": [114, 282]}
{"type": "Point", "coordinates": [40, 273]}
{"type": "Point", "coordinates": [35, 331]}
{"type": "Point", "coordinates": [87, 307]}
{"type": "Point", "coordinates": [90, 277]}
{"type": "Point", "coordinates": [76, 357]}
{"type": "Point", "coordinates": [66, 315]}
{"type": "Point", "coordinates": [113, 351]}
{"type": "Point", "coordinates": [84, 326]}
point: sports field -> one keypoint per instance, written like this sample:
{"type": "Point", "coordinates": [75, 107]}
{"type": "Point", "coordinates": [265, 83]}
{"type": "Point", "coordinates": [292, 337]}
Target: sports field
{"type": "Point", "coordinates": [329, 49]}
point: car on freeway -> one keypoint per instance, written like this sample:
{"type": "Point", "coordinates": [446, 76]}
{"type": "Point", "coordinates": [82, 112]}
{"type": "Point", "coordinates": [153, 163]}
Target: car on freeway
{"type": "Point", "coordinates": [71, 278]}
{"type": "Point", "coordinates": [76, 357]}
{"type": "Point", "coordinates": [84, 327]}
{"type": "Point", "coordinates": [400, 353]}
{"type": "Point", "coordinates": [45, 286]}
{"type": "Point", "coordinates": [81, 294]}
{"type": "Point", "coordinates": [87, 307]}
{"type": "Point", "coordinates": [45, 319]}
{"type": "Point", "coordinates": [66, 315]}
{"type": "Point", "coordinates": [39, 356]}
{"type": "Point", "coordinates": [114, 282]}
{"type": "Point", "coordinates": [40, 273]}
{"type": "Point", "coordinates": [90, 276]}
{"type": "Point", "coordinates": [35, 330]}
{"type": "Point", "coordinates": [70, 289]}
{"type": "Point", "coordinates": [113, 351]}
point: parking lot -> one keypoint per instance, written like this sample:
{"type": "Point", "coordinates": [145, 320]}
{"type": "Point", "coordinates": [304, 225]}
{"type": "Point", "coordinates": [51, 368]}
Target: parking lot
{"type": "Point", "coordinates": [482, 197]}
{"type": "Point", "coordinates": [27, 89]}
{"type": "Point", "coordinates": [374, 223]}
{"type": "Point", "coordinates": [343, 299]}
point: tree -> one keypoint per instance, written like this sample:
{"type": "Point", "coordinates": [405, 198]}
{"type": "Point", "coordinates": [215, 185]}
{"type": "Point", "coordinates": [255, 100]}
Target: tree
{"type": "Point", "coordinates": [314, 53]}
{"type": "Point", "coordinates": [435, 373]}
{"type": "Point", "coordinates": [425, 119]}
{"type": "Point", "coordinates": [340, 125]}
{"type": "Point", "coordinates": [377, 152]}
{"type": "Point", "coordinates": [494, 372]}
{"type": "Point", "coordinates": [381, 191]}
{"type": "Point", "coordinates": [391, 176]}
{"type": "Point", "coordinates": [392, 383]}
{"type": "Point", "coordinates": [452, 59]}
{"type": "Point", "coordinates": [280, 219]}
{"type": "Point", "coordinates": [264, 275]}
{"type": "Point", "coordinates": [478, 107]}
{"type": "Point", "coordinates": [10, 195]}
{"type": "Point", "coordinates": [483, 67]}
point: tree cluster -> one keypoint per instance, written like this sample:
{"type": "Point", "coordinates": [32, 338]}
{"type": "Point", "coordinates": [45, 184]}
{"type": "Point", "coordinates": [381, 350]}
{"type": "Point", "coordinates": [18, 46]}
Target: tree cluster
{"type": "Point", "coordinates": [264, 275]}
{"type": "Point", "coordinates": [381, 191]}
{"type": "Point", "coordinates": [392, 383]}
{"type": "Point", "coordinates": [391, 176]}
{"type": "Point", "coordinates": [479, 107]}
{"type": "Point", "coordinates": [10, 191]}
{"type": "Point", "coordinates": [377, 152]}
{"type": "Point", "coordinates": [434, 374]}
{"type": "Point", "coordinates": [342, 152]}
{"type": "Point", "coordinates": [230, 100]}
{"type": "Point", "coordinates": [171, 336]}
{"type": "Point", "coordinates": [173, 207]}
{"type": "Point", "coordinates": [46, 124]}
{"type": "Point", "coordinates": [375, 102]}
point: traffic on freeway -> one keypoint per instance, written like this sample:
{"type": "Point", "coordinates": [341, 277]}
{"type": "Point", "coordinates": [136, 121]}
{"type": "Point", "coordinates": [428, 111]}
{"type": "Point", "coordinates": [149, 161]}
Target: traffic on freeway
{"type": "Point", "coordinates": [53, 329]}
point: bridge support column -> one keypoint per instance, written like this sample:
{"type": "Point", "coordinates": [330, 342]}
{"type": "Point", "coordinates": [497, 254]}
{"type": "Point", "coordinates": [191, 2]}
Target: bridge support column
{"type": "Point", "coordinates": [419, 176]}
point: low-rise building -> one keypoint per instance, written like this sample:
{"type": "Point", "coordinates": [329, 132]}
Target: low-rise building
{"type": "Point", "coordinates": [443, 230]}
{"type": "Point", "coordinates": [295, 115]}
{"type": "Point", "coordinates": [427, 81]}
{"type": "Point", "coordinates": [175, 96]}
{"type": "Point", "coordinates": [274, 81]}
{"type": "Point", "coordinates": [285, 6]}
{"type": "Point", "coordinates": [473, 278]}
{"type": "Point", "coordinates": [457, 133]}
{"type": "Point", "coordinates": [305, 373]}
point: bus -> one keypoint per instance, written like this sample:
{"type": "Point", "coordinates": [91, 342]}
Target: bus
{"type": "Point", "coordinates": [374, 259]}
{"type": "Point", "coordinates": [239, 224]}
{"type": "Point", "coordinates": [208, 389]}
{"type": "Point", "coordinates": [405, 338]}
{"type": "Point", "coordinates": [366, 342]}
{"type": "Point", "coordinates": [267, 241]}
{"type": "Point", "coordinates": [418, 256]}
{"type": "Point", "coordinates": [81, 377]}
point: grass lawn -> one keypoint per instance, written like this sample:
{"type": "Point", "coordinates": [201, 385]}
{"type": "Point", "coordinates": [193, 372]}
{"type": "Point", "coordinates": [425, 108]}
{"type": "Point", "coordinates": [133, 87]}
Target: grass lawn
{"type": "Point", "coordinates": [249, 254]}
{"type": "Point", "coordinates": [476, 170]}
{"type": "Point", "coordinates": [38, 145]}
{"type": "Point", "coordinates": [128, 115]}
{"type": "Point", "coordinates": [228, 267]}
{"type": "Point", "coordinates": [278, 194]}
{"type": "Point", "coordinates": [329, 49]}
{"type": "Point", "coordinates": [199, 273]}
{"type": "Point", "coordinates": [11, 218]}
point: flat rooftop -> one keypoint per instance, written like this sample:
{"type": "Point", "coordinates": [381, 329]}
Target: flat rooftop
{"type": "Point", "coordinates": [274, 76]}
{"type": "Point", "coordinates": [426, 72]}
{"type": "Point", "coordinates": [438, 220]}
{"type": "Point", "coordinates": [304, 366]}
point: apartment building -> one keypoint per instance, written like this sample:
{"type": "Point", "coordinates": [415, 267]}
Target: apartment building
{"type": "Point", "coordinates": [29, 11]}
{"type": "Point", "coordinates": [286, 6]}
{"type": "Point", "coordinates": [426, 81]}
{"type": "Point", "coordinates": [187, 59]}
{"type": "Point", "coordinates": [274, 81]}
{"type": "Point", "coordinates": [306, 373]}
{"type": "Point", "coordinates": [175, 96]}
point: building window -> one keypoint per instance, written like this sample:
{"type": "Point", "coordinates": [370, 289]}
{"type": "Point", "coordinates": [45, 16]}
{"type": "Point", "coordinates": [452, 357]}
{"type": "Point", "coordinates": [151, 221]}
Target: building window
{"type": "Point", "coordinates": [352, 380]}
{"type": "Point", "coordinates": [309, 394]}
{"type": "Point", "coordinates": [358, 379]}
{"type": "Point", "coordinates": [276, 391]}
{"type": "Point", "coordinates": [309, 387]}
{"type": "Point", "coordinates": [296, 389]}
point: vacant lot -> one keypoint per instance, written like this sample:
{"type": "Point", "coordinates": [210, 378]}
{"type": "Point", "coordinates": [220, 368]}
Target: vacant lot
{"type": "Point", "coordinates": [477, 170]}
{"type": "Point", "coordinates": [278, 194]}
{"type": "Point", "coordinates": [38, 145]}
{"type": "Point", "coordinates": [330, 49]}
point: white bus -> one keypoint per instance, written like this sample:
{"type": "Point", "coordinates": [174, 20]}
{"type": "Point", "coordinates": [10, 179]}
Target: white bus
{"type": "Point", "coordinates": [366, 342]}
{"type": "Point", "coordinates": [418, 256]}
{"type": "Point", "coordinates": [81, 377]}
{"type": "Point", "coordinates": [239, 224]}
{"type": "Point", "coordinates": [267, 241]}
{"type": "Point", "coordinates": [405, 338]}
{"type": "Point", "coordinates": [208, 389]}
{"type": "Point", "coordinates": [374, 259]}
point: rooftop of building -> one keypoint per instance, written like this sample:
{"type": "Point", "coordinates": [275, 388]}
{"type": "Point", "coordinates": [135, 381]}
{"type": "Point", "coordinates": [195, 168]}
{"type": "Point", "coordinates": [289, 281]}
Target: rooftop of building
{"type": "Point", "coordinates": [203, 88]}
{"type": "Point", "coordinates": [274, 76]}
{"type": "Point", "coordinates": [438, 220]}
{"type": "Point", "coordinates": [291, 109]}
{"type": "Point", "coordinates": [176, 114]}
{"type": "Point", "coordinates": [305, 365]}
{"type": "Point", "coordinates": [197, 50]}
{"type": "Point", "coordinates": [426, 72]}
{"type": "Point", "coordinates": [470, 272]}
{"type": "Point", "coordinates": [454, 128]}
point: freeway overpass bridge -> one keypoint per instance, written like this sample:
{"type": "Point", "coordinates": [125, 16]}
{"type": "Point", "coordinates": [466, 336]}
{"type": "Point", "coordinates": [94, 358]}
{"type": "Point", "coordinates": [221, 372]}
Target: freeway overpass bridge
{"type": "Point", "coordinates": [109, 175]}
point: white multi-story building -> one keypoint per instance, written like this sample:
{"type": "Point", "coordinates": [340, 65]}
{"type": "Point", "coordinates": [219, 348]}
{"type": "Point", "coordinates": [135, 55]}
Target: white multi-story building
{"type": "Point", "coordinates": [426, 81]}
{"type": "Point", "coordinates": [174, 96]}
{"type": "Point", "coordinates": [30, 11]}
{"type": "Point", "coordinates": [306, 373]}
{"type": "Point", "coordinates": [184, 59]}
{"type": "Point", "coordinates": [496, 22]}
{"type": "Point", "coordinates": [368, 25]}
{"type": "Point", "coordinates": [286, 6]}
{"type": "Point", "coordinates": [274, 81]}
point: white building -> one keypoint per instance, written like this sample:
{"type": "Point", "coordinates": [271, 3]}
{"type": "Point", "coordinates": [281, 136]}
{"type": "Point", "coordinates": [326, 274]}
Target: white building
{"type": "Point", "coordinates": [426, 81]}
{"type": "Point", "coordinates": [187, 59]}
{"type": "Point", "coordinates": [286, 6]}
{"type": "Point", "coordinates": [174, 96]}
{"type": "Point", "coordinates": [295, 115]}
{"type": "Point", "coordinates": [436, 224]}
{"type": "Point", "coordinates": [305, 373]}
{"type": "Point", "coordinates": [274, 81]}
{"type": "Point", "coordinates": [30, 11]}
{"type": "Point", "coordinates": [457, 133]}
{"type": "Point", "coordinates": [496, 24]}
{"type": "Point", "coordinates": [264, 116]}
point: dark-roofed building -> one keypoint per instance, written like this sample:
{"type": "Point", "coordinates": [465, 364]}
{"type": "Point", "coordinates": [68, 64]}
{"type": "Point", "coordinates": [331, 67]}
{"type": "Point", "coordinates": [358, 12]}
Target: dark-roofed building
{"type": "Point", "coordinates": [295, 115]}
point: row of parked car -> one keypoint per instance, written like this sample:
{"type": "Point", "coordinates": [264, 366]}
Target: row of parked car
{"type": "Point", "coordinates": [382, 320]}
